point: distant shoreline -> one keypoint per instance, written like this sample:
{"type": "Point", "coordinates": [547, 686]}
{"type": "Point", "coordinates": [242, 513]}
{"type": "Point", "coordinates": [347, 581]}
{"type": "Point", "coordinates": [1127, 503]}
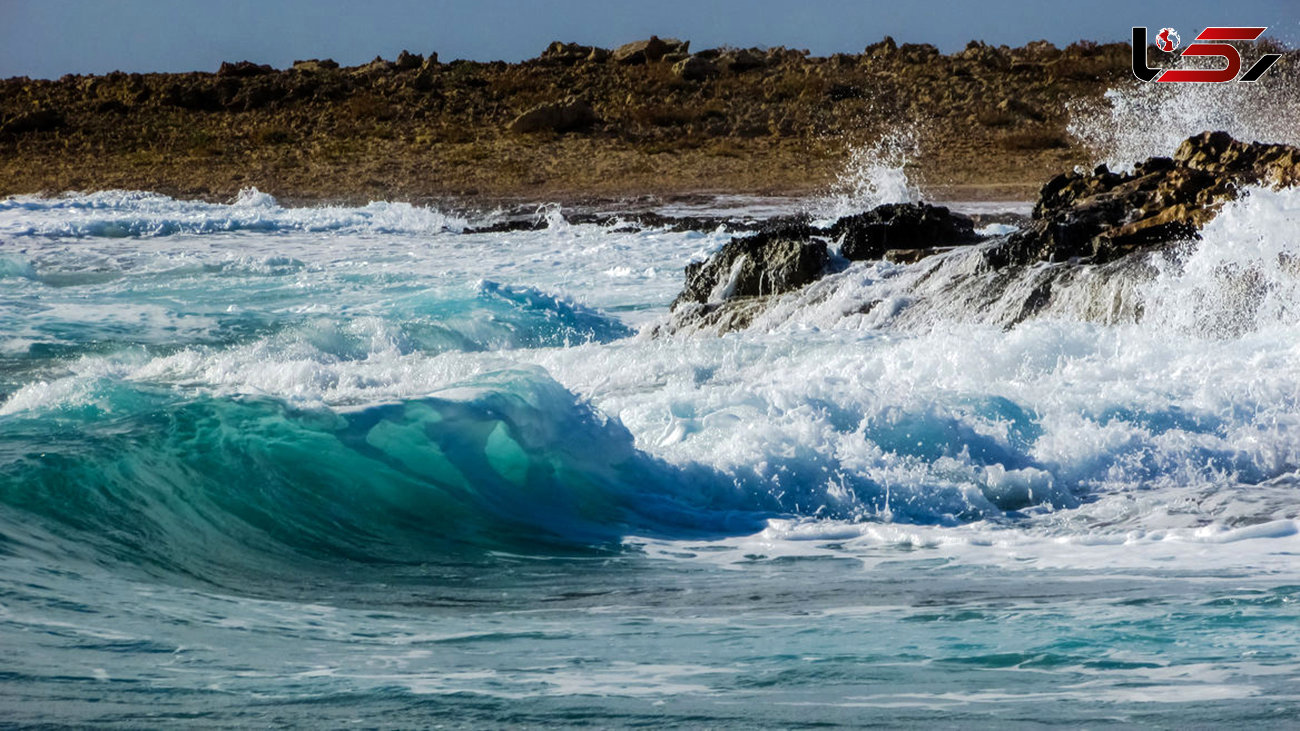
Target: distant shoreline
{"type": "Point", "coordinates": [578, 122]}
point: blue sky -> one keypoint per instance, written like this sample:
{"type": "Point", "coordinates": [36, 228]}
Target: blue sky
{"type": "Point", "coordinates": [48, 38]}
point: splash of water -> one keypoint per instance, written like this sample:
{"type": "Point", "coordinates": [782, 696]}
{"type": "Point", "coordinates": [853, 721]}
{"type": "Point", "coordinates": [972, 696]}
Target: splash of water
{"type": "Point", "coordinates": [874, 175]}
{"type": "Point", "coordinates": [1137, 121]}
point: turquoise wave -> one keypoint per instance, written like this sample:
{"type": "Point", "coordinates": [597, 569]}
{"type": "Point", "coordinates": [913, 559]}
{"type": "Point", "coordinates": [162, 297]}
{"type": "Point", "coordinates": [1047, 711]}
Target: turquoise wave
{"type": "Point", "coordinates": [226, 486]}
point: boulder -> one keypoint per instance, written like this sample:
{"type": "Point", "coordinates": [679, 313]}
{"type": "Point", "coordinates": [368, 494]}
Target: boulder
{"type": "Point", "coordinates": [740, 60]}
{"type": "Point", "coordinates": [565, 54]}
{"type": "Point", "coordinates": [243, 69]}
{"type": "Point", "coordinates": [774, 261]}
{"type": "Point", "coordinates": [565, 116]}
{"type": "Point", "coordinates": [911, 226]}
{"type": "Point", "coordinates": [653, 49]}
{"type": "Point", "coordinates": [695, 68]}
{"type": "Point", "coordinates": [1103, 215]}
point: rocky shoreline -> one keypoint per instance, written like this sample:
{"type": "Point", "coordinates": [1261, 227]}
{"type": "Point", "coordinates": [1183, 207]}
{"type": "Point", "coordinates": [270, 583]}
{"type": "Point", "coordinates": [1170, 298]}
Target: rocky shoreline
{"type": "Point", "coordinates": [652, 117]}
{"type": "Point", "coordinates": [1080, 219]}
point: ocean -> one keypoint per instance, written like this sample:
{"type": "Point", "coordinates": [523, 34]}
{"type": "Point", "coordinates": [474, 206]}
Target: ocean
{"type": "Point", "coordinates": [362, 467]}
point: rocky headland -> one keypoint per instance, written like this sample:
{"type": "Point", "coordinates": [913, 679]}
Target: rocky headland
{"type": "Point", "coordinates": [652, 117]}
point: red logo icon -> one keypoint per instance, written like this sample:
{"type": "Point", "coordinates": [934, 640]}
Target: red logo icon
{"type": "Point", "coordinates": [1167, 40]}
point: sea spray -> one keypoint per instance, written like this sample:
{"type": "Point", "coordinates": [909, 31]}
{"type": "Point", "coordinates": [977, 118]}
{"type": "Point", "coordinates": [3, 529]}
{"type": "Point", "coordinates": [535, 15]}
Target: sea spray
{"type": "Point", "coordinates": [1139, 120]}
{"type": "Point", "coordinates": [874, 174]}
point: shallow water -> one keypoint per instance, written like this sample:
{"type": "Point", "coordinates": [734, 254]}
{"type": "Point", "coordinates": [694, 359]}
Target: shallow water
{"type": "Point", "coordinates": [273, 466]}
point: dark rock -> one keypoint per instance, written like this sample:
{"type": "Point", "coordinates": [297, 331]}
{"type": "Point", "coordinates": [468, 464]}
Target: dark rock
{"type": "Point", "coordinates": [774, 261]}
{"type": "Point", "coordinates": [197, 95]}
{"type": "Point", "coordinates": [45, 120]}
{"type": "Point", "coordinates": [244, 69]}
{"type": "Point", "coordinates": [885, 48]}
{"type": "Point", "coordinates": [911, 226]}
{"type": "Point", "coordinates": [695, 68]}
{"type": "Point", "coordinates": [1103, 215]}
{"type": "Point", "coordinates": [566, 116]}
{"type": "Point", "coordinates": [407, 61]}
{"type": "Point", "coordinates": [742, 59]}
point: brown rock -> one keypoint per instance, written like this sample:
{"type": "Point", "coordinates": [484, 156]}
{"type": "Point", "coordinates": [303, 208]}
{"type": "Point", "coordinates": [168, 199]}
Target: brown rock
{"type": "Point", "coordinates": [695, 68]}
{"type": "Point", "coordinates": [1104, 215]}
{"type": "Point", "coordinates": [653, 49]}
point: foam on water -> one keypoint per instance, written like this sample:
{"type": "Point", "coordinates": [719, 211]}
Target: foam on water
{"type": "Point", "coordinates": [118, 214]}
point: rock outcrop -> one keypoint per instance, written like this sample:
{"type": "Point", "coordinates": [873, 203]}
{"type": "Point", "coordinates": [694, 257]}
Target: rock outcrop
{"type": "Point", "coordinates": [695, 68]}
{"type": "Point", "coordinates": [739, 281]}
{"type": "Point", "coordinates": [647, 51]}
{"type": "Point", "coordinates": [910, 227]}
{"type": "Point", "coordinates": [244, 69]}
{"type": "Point", "coordinates": [1103, 215]}
{"type": "Point", "coordinates": [773, 261]}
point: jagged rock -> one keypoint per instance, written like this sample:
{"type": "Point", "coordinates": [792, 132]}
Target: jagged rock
{"type": "Point", "coordinates": [985, 55]}
{"type": "Point", "coordinates": [566, 116]}
{"type": "Point", "coordinates": [565, 54]}
{"type": "Point", "coordinates": [407, 61]}
{"type": "Point", "coordinates": [653, 49]}
{"type": "Point", "coordinates": [774, 261]}
{"type": "Point", "coordinates": [695, 68]}
{"type": "Point", "coordinates": [1104, 215]}
{"type": "Point", "coordinates": [379, 65]}
{"type": "Point", "coordinates": [884, 48]}
{"type": "Point", "coordinates": [911, 226]}
{"type": "Point", "coordinates": [244, 69]}
{"type": "Point", "coordinates": [917, 52]}
{"type": "Point", "coordinates": [314, 65]}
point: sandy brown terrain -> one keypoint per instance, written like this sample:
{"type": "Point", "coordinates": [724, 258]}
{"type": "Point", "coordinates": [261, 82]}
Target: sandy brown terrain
{"type": "Point", "coordinates": [576, 122]}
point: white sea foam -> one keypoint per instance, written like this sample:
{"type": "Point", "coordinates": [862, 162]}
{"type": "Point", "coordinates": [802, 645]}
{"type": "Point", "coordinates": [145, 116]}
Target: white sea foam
{"type": "Point", "coordinates": [118, 214]}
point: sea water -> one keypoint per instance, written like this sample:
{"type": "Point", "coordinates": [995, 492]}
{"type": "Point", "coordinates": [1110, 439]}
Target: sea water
{"type": "Point", "coordinates": [362, 467]}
